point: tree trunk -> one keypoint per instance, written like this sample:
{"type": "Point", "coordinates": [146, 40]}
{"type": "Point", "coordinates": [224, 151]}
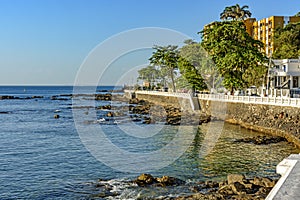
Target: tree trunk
{"type": "Point", "coordinates": [172, 79]}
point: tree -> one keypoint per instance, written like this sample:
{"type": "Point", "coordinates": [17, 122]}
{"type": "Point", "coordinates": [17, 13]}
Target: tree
{"type": "Point", "coordinates": [199, 58]}
{"type": "Point", "coordinates": [149, 73]}
{"type": "Point", "coordinates": [191, 74]}
{"type": "Point", "coordinates": [235, 12]}
{"type": "Point", "coordinates": [287, 42]}
{"type": "Point", "coordinates": [166, 57]}
{"type": "Point", "coordinates": [235, 53]}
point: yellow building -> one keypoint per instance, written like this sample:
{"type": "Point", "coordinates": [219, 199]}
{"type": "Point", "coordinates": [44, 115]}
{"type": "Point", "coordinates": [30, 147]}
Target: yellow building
{"type": "Point", "coordinates": [265, 29]}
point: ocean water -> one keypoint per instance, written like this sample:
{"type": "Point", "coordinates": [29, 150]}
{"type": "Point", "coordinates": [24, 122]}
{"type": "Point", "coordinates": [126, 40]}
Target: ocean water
{"type": "Point", "coordinates": [45, 158]}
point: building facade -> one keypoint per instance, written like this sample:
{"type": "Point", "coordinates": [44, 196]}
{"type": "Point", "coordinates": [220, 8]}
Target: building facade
{"type": "Point", "coordinates": [284, 78]}
{"type": "Point", "coordinates": [264, 29]}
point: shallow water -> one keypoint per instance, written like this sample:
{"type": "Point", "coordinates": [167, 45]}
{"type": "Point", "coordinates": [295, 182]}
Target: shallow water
{"type": "Point", "coordinates": [44, 158]}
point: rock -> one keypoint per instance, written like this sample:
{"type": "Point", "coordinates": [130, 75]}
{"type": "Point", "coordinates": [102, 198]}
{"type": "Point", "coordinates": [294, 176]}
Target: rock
{"type": "Point", "coordinates": [169, 181]}
{"type": "Point", "coordinates": [103, 97]}
{"type": "Point", "coordinates": [133, 101]}
{"type": "Point", "coordinates": [104, 107]}
{"type": "Point", "coordinates": [238, 188]}
{"type": "Point", "coordinates": [56, 116]}
{"type": "Point", "coordinates": [262, 140]}
{"type": "Point", "coordinates": [263, 182]}
{"type": "Point", "coordinates": [148, 179]}
{"type": "Point", "coordinates": [232, 178]}
{"type": "Point", "coordinates": [7, 97]}
{"type": "Point", "coordinates": [226, 190]}
{"type": "Point", "coordinates": [110, 114]}
{"type": "Point", "coordinates": [37, 97]}
{"type": "Point", "coordinates": [145, 179]}
{"type": "Point", "coordinates": [211, 184]}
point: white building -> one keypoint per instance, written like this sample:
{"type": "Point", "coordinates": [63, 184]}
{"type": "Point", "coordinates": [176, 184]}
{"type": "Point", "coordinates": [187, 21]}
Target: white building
{"type": "Point", "coordinates": [284, 78]}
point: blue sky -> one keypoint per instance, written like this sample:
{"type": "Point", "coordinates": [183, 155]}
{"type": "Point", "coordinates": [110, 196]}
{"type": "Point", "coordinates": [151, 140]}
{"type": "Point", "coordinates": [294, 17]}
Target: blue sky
{"type": "Point", "coordinates": [46, 42]}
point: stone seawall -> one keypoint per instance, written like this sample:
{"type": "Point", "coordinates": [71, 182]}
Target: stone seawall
{"type": "Point", "coordinates": [275, 120]}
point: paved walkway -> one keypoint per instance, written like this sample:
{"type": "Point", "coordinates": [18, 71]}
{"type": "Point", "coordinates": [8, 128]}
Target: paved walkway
{"type": "Point", "coordinates": [288, 186]}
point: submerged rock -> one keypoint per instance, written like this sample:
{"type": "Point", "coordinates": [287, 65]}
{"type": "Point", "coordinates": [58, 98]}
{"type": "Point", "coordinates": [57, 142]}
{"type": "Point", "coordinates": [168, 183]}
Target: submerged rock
{"type": "Point", "coordinates": [103, 97]}
{"type": "Point", "coordinates": [104, 107]}
{"type": "Point", "coordinates": [262, 140]}
{"type": "Point", "coordinates": [4, 112]}
{"type": "Point", "coordinates": [8, 97]}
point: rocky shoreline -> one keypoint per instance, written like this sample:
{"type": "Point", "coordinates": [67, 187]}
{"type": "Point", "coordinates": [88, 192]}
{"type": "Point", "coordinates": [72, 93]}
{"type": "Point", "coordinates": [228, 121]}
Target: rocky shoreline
{"type": "Point", "coordinates": [236, 186]}
{"type": "Point", "coordinates": [169, 114]}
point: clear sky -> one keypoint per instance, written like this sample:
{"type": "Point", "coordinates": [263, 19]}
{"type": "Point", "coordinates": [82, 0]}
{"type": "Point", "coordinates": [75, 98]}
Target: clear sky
{"type": "Point", "coordinates": [46, 41]}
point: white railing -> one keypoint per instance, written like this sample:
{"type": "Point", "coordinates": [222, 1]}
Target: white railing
{"type": "Point", "coordinates": [283, 101]}
{"type": "Point", "coordinates": [169, 94]}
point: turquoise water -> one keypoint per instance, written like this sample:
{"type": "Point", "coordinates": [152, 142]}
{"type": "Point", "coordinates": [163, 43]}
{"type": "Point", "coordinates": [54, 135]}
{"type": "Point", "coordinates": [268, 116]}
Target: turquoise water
{"type": "Point", "coordinates": [44, 158]}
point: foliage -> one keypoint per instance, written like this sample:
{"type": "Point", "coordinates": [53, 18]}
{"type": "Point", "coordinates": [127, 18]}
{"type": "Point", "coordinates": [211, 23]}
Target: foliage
{"type": "Point", "coordinates": [166, 58]}
{"type": "Point", "coordinates": [235, 13]}
{"type": "Point", "coordinates": [235, 53]}
{"type": "Point", "coordinates": [287, 42]}
{"type": "Point", "coordinates": [199, 58]}
{"type": "Point", "coordinates": [191, 74]}
{"type": "Point", "coordinates": [149, 73]}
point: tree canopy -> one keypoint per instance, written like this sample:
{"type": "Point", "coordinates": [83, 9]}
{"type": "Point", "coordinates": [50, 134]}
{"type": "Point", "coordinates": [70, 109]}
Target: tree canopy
{"type": "Point", "coordinates": [166, 58]}
{"type": "Point", "coordinates": [235, 53]}
{"type": "Point", "coordinates": [149, 73]}
{"type": "Point", "coordinates": [201, 61]}
{"type": "Point", "coordinates": [287, 42]}
{"type": "Point", "coordinates": [191, 74]}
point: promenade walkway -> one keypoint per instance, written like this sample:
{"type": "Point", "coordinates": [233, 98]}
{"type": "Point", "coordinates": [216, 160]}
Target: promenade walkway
{"type": "Point", "coordinates": [288, 186]}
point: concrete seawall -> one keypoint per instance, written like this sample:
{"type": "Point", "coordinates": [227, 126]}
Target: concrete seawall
{"type": "Point", "coordinates": [275, 120]}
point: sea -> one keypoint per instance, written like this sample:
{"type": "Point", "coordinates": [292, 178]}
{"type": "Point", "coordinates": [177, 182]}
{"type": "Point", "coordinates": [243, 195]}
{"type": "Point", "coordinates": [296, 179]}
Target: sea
{"type": "Point", "coordinates": [76, 155]}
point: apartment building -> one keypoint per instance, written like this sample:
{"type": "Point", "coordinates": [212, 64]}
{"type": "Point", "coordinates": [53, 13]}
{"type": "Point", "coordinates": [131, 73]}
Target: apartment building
{"type": "Point", "coordinates": [264, 29]}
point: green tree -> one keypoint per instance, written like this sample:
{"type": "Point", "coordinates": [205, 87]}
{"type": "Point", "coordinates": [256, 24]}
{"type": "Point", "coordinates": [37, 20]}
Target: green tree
{"type": "Point", "coordinates": [190, 73]}
{"type": "Point", "coordinates": [287, 42]}
{"type": "Point", "coordinates": [149, 73]}
{"type": "Point", "coordinates": [166, 57]}
{"type": "Point", "coordinates": [199, 58]}
{"type": "Point", "coordinates": [235, 53]}
{"type": "Point", "coordinates": [235, 12]}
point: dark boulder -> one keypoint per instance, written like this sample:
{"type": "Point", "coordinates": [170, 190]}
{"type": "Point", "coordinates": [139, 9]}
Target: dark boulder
{"type": "Point", "coordinates": [145, 179]}
{"type": "Point", "coordinates": [56, 116]}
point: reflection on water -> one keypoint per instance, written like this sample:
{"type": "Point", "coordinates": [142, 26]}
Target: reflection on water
{"type": "Point", "coordinates": [212, 155]}
{"type": "Point", "coordinates": [228, 156]}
